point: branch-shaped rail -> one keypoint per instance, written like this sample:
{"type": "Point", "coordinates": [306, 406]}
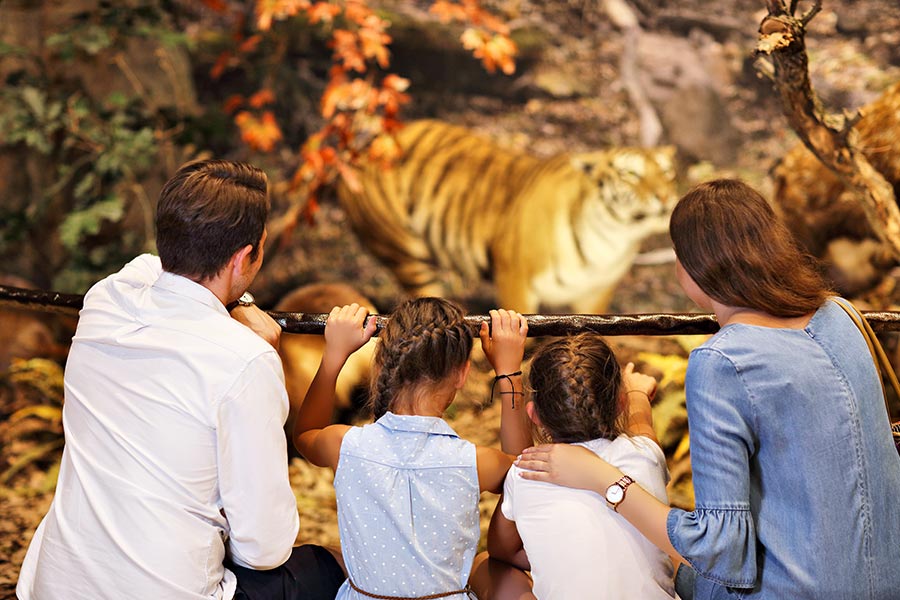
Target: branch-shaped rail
{"type": "Point", "coordinates": [538, 325]}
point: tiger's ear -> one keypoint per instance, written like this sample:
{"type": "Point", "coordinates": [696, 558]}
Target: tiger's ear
{"type": "Point", "coordinates": [588, 163]}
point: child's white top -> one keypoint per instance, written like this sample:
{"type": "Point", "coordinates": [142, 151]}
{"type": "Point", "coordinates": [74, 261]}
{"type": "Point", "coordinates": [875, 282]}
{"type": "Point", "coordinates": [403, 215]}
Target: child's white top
{"type": "Point", "coordinates": [407, 499]}
{"type": "Point", "coordinates": [578, 546]}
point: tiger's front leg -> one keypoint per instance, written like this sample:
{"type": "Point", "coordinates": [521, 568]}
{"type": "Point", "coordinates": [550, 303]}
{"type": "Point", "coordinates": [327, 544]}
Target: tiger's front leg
{"type": "Point", "coordinates": [514, 292]}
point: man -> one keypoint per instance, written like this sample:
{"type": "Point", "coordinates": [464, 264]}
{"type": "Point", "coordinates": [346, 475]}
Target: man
{"type": "Point", "coordinates": [173, 483]}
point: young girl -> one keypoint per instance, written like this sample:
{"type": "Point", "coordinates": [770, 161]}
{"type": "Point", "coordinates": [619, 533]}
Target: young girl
{"type": "Point", "coordinates": [574, 546]}
{"type": "Point", "coordinates": [407, 486]}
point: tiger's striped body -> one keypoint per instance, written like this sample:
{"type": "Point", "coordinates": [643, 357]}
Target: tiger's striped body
{"type": "Point", "coordinates": [557, 232]}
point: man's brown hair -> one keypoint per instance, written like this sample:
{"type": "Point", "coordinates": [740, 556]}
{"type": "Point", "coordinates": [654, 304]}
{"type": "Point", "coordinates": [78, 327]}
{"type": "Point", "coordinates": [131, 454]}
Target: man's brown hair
{"type": "Point", "coordinates": [208, 211]}
{"type": "Point", "coordinates": [734, 247]}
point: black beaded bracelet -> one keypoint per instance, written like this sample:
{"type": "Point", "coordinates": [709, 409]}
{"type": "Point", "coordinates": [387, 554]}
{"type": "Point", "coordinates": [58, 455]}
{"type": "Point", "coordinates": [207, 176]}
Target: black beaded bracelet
{"type": "Point", "coordinates": [513, 393]}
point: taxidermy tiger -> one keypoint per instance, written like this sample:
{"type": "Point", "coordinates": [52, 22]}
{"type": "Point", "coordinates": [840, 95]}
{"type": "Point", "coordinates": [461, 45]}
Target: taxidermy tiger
{"type": "Point", "coordinates": [557, 233]}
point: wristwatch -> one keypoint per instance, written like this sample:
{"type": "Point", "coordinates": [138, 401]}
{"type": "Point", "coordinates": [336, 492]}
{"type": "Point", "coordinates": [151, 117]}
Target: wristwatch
{"type": "Point", "coordinates": [615, 493]}
{"type": "Point", "coordinates": [246, 299]}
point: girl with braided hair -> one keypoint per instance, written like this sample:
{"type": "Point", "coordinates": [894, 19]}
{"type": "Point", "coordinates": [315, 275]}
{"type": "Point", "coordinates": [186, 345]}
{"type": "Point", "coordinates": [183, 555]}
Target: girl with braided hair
{"type": "Point", "coordinates": [572, 545]}
{"type": "Point", "coordinates": [407, 486]}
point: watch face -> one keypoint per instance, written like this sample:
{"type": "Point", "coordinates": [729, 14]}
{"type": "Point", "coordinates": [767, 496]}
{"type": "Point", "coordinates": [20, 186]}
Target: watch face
{"type": "Point", "coordinates": [246, 299]}
{"type": "Point", "coordinates": [614, 494]}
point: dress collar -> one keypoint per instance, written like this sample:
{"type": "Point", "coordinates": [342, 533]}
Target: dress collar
{"type": "Point", "coordinates": [416, 424]}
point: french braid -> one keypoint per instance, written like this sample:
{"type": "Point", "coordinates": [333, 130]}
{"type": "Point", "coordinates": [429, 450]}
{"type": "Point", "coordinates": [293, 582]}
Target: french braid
{"type": "Point", "coordinates": [425, 340]}
{"type": "Point", "coordinates": [575, 384]}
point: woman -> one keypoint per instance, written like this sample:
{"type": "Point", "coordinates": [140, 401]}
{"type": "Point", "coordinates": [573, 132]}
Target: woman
{"type": "Point", "coordinates": [795, 475]}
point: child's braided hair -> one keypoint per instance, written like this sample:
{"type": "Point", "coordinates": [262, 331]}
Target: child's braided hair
{"type": "Point", "coordinates": [575, 384]}
{"type": "Point", "coordinates": [426, 339]}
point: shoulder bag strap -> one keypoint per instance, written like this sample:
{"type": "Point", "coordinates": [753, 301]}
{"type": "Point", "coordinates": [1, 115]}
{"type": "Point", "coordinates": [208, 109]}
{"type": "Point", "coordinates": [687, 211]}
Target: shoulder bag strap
{"type": "Point", "coordinates": [882, 363]}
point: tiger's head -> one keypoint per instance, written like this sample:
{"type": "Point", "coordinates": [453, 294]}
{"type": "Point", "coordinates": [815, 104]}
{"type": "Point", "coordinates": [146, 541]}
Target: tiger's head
{"type": "Point", "coordinates": [635, 186]}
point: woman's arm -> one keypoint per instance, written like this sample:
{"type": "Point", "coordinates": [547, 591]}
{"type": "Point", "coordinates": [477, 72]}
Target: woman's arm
{"type": "Point", "coordinates": [346, 330]}
{"type": "Point", "coordinates": [578, 467]}
{"type": "Point", "coordinates": [504, 346]}
{"type": "Point", "coordinates": [718, 538]}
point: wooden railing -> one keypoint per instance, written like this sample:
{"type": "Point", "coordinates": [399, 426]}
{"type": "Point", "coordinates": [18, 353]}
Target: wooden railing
{"type": "Point", "coordinates": [538, 325]}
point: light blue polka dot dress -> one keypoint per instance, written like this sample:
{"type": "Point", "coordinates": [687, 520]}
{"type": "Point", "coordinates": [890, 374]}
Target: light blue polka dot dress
{"type": "Point", "coordinates": [407, 498]}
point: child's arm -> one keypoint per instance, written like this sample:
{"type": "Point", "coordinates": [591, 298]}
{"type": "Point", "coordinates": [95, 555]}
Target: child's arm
{"type": "Point", "coordinates": [639, 390]}
{"type": "Point", "coordinates": [504, 346]}
{"type": "Point", "coordinates": [504, 542]}
{"type": "Point", "coordinates": [492, 468]}
{"type": "Point", "coordinates": [346, 330]}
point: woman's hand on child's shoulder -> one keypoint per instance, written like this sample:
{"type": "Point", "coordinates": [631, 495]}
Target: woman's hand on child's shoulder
{"type": "Point", "coordinates": [346, 330]}
{"type": "Point", "coordinates": [504, 341]}
{"type": "Point", "coordinates": [566, 464]}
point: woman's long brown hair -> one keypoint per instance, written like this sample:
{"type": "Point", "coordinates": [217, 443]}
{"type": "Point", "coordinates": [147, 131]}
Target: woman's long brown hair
{"type": "Point", "coordinates": [735, 248]}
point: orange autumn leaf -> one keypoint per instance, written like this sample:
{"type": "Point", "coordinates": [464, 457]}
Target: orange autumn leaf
{"type": "Point", "coordinates": [395, 82]}
{"type": "Point", "coordinates": [499, 51]}
{"type": "Point", "coordinates": [233, 103]}
{"type": "Point", "coordinates": [384, 148]}
{"type": "Point", "coordinates": [259, 133]}
{"type": "Point", "coordinates": [357, 11]}
{"type": "Point", "coordinates": [391, 100]}
{"type": "Point", "coordinates": [374, 42]}
{"type": "Point", "coordinates": [448, 11]}
{"type": "Point", "coordinates": [323, 12]}
{"type": "Point", "coordinates": [473, 39]}
{"type": "Point", "coordinates": [493, 51]}
{"type": "Point", "coordinates": [265, 13]}
{"type": "Point", "coordinates": [261, 98]}
{"type": "Point", "coordinates": [222, 62]}
{"type": "Point", "coordinates": [347, 50]}
{"type": "Point", "coordinates": [353, 95]}
{"type": "Point", "coordinates": [250, 44]}
{"type": "Point", "coordinates": [268, 11]}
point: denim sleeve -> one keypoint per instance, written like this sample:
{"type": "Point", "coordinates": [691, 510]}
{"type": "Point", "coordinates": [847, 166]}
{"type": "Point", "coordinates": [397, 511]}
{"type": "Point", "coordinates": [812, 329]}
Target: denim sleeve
{"type": "Point", "coordinates": [718, 538]}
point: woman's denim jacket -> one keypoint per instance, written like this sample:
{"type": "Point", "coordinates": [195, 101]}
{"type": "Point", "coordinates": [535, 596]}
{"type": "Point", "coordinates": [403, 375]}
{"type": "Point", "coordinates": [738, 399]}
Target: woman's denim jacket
{"type": "Point", "coordinates": [796, 480]}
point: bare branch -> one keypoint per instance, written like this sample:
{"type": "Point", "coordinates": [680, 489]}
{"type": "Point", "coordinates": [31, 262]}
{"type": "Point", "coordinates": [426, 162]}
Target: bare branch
{"type": "Point", "coordinates": [812, 12]}
{"type": "Point", "coordinates": [830, 137]}
{"type": "Point", "coordinates": [776, 7]}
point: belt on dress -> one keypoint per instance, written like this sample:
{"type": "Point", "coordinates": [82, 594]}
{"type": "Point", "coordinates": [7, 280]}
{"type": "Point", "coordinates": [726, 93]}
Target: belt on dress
{"type": "Point", "coordinates": [467, 591]}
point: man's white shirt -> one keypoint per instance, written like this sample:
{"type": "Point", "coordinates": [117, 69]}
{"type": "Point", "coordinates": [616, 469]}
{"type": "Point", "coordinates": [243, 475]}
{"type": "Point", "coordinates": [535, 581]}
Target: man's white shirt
{"type": "Point", "coordinates": [173, 420]}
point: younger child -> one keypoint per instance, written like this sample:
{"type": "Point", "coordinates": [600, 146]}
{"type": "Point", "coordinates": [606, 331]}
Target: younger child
{"type": "Point", "coordinates": [407, 486]}
{"type": "Point", "coordinates": [577, 547]}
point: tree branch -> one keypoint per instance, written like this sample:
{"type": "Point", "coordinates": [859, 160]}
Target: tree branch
{"type": "Point", "coordinates": [831, 138]}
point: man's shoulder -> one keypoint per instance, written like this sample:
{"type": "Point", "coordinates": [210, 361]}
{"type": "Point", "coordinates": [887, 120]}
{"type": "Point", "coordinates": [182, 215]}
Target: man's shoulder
{"type": "Point", "coordinates": [229, 336]}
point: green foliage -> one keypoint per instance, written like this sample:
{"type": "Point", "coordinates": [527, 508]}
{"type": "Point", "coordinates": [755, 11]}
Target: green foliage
{"type": "Point", "coordinates": [32, 434]}
{"type": "Point", "coordinates": [95, 150]}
